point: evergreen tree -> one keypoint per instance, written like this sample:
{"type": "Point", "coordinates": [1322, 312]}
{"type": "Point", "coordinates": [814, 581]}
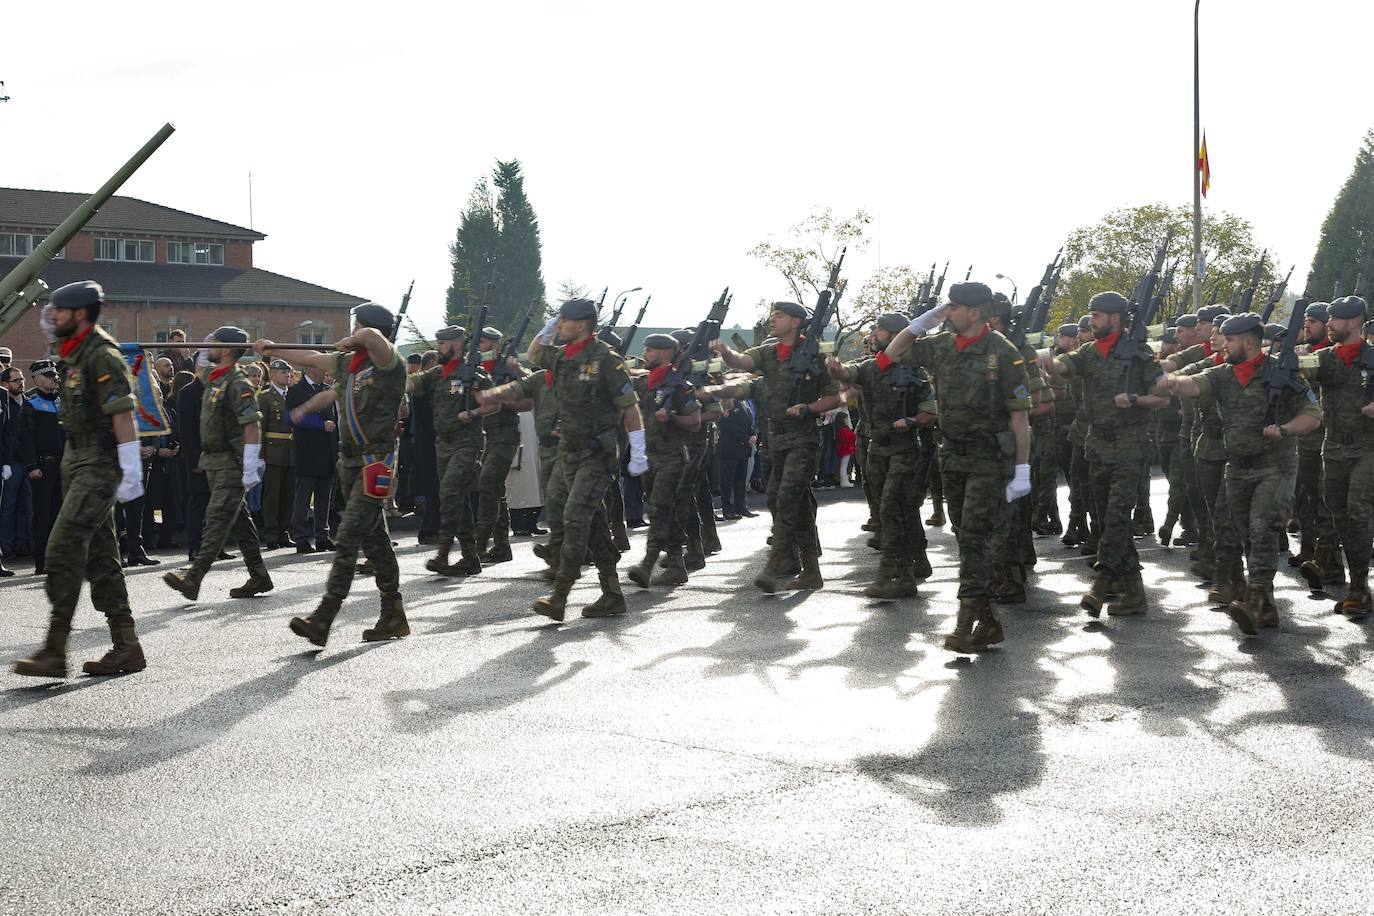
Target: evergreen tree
{"type": "Point", "coordinates": [471, 256]}
{"type": "Point", "coordinates": [1345, 250]}
{"type": "Point", "coordinates": [520, 276]}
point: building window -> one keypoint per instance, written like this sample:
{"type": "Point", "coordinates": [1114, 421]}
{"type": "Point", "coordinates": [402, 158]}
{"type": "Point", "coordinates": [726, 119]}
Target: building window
{"type": "Point", "coordinates": [111, 326]}
{"type": "Point", "coordinates": [195, 253]}
{"type": "Point", "coordinates": [313, 333]}
{"type": "Point", "coordinates": [125, 250]}
{"type": "Point", "coordinates": [20, 244]}
{"type": "Point", "coordinates": [163, 332]}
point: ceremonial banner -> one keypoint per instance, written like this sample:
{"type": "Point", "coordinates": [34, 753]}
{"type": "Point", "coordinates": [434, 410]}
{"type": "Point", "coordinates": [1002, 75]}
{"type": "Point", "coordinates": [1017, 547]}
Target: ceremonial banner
{"type": "Point", "coordinates": [151, 418]}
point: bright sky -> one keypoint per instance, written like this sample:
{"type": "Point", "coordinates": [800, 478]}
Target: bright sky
{"type": "Point", "coordinates": [661, 141]}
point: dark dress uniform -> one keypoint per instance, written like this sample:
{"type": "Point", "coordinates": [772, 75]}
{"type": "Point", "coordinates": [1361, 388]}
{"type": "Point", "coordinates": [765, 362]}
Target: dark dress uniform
{"type": "Point", "coordinates": [40, 445]}
{"type": "Point", "coordinates": [279, 479]}
{"type": "Point", "coordinates": [315, 452]}
{"type": "Point", "coordinates": [197, 484]}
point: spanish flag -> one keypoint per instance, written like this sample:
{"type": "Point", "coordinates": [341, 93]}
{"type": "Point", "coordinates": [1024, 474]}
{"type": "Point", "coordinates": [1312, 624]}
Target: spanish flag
{"type": "Point", "coordinates": [1204, 166]}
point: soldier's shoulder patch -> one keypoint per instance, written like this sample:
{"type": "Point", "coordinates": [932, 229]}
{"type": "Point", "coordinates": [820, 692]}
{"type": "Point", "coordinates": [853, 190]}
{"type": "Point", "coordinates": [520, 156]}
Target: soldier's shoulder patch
{"type": "Point", "coordinates": [1311, 395]}
{"type": "Point", "coordinates": [1020, 393]}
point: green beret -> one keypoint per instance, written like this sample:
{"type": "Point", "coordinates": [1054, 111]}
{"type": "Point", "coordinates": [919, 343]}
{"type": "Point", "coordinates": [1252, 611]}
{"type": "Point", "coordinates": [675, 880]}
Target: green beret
{"type": "Point", "coordinates": [1001, 306]}
{"type": "Point", "coordinates": [78, 295]}
{"type": "Point", "coordinates": [1209, 313]}
{"type": "Point", "coordinates": [490, 334]}
{"type": "Point", "coordinates": [229, 334]}
{"type": "Point", "coordinates": [660, 342]}
{"type": "Point", "coordinates": [790, 308]}
{"type": "Point", "coordinates": [452, 332]}
{"type": "Point", "coordinates": [1317, 311]}
{"type": "Point", "coordinates": [970, 295]}
{"type": "Point", "coordinates": [1186, 321]}
{"type": "Point", "coordinates": [578, 310]}
{"type": "Point", "coordinates": [1348, 307]}
{"type": "Point", "coordinates": [1111, 302]}
{"type": "Point", "coordinates": [892, 321]}
{"type": "Point", "coordinates": [1247, 323]}
{"type": "Point", "coordinates": [1067, 330]}
{"type": "Point", "coordinates": [372, 315]}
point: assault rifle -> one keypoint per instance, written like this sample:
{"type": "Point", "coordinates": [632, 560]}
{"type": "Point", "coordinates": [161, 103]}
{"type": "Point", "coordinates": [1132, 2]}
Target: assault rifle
{"type": "Point", "coordinates": [1281, 373]}
{"type": "Point", "coordinates": [1337, 289]}
{"type": "Point", "coordinates": [1275, 295]}
{"type": "Point", "coordinates": [699, 347]}
{"type": "Point", "coordinates": [1162, 293]}
{"type": "Point", "coordinates": [1023, 318]}
{"type": "Point", "coordinates": [615, 317]}
{"type": "Point", "coordinates": [1247, 298]}
{"type": "Point", "coordinates": [934, 298]}
{"type": "Point", "coordinates": [401, 312]}
{"type": "Point", "coordinates": [467, 373]}
{"type": "Point", "coordinates": [917, 304]}
{"type": "Point", "coordinates": [1362, 280]}
{"type": "Point", "coordinates": [968, 273]}
{"type": "Point", "coordinates": [634, 328]}
{"type": "Point", "coordinates": [1131, 345]}
{"type": "Point", "coordinates": [500, 373]}
{"type": "Point", "coordinates": [804, 362]}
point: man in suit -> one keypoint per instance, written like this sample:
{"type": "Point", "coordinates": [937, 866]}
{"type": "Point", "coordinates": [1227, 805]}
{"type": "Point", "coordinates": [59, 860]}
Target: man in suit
{"type": "Point", "coordinates": [315, 452]}
{"type": "Point", "coordinates": [188, 435]}
{"type": "Point", "coordinates": [738, 435]}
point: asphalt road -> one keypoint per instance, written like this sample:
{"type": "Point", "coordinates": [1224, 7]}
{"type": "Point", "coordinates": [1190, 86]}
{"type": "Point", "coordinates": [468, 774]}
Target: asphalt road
{"type": "Point", "coordinates": [714, 751]}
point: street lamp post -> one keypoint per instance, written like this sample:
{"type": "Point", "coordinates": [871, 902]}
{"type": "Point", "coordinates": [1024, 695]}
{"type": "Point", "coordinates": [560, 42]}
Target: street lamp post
{"type": "Point", "coordinates": [616, 300]}
{"type": "Point", "coordinates": [1197, 172]}
{"type": "Point", "coordinates": [1015, 292]}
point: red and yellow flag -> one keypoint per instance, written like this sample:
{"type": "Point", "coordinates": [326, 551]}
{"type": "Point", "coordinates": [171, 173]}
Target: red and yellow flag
{"type": "Point", "coordinates": [1204, 166]}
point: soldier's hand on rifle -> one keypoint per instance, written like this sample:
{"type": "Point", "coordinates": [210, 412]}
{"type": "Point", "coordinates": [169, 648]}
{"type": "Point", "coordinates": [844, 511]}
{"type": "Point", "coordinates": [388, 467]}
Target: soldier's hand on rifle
{"type": "Point", "coordinates": [465, 416]}
{"type": "Point", "coordinates": [512, 365]}
{"type": "Point", "coordinates": [926, 420]}
{"type": "Point", "coordinates": [719, 346]}
{"type": "Point", "coordinates": [1272, 431]}
{"type": "Point", "coordinates": [661, 415]}
{"type": "Point", "coordinates": [797, 411]}
{"type": "Point", "coordinates": [1124, 401]}
{"type": "Point", "coordinates": [833, 365]}
{"type": "Point", "coordinates": [902, 424]}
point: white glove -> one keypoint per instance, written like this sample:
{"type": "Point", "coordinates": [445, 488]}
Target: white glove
{"type": "Point", "coordinates": [5, 472]}
{"type": "Point", "coordinates": [1020, 484]}
{"type": "Point", "coordinates": [131, 486]}
{"type": "Point", "coordinates": [638, 462]}
{"type": "Point", "coordinates": [549, 332]}
{"type": "Point", "coordinates": [931, 319]}
{"type": "Point", "coordinates": [252, 467]}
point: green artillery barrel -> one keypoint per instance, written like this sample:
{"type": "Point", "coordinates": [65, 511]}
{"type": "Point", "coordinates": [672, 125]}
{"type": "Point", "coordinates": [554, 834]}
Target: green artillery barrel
{"type": "Point", "coordinates": [21, 287]}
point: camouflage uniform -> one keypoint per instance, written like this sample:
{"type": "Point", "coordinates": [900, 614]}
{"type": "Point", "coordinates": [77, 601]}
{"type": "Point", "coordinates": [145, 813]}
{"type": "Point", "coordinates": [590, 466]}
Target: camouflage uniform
{"type": "Point", "coordinates": [699, 524]}
{"type": "Point", "coordinates": [793, 455]}
{"type": "Point", "coordinates": [458, 449]}
{"type": "Point", "coordinates": [503, 441]}
{"type": "Point", "coordinates": [533, 387]}
{"type": "Point", "coordinates": [667, 487]}
{"type": "Point", "coordinates": [279, 479]}
{"type": "Point", "coordinates": [1223, 547]}
{"type": "Point", "coordinates": [1320, 541]}
{"type": "Point", "coordinates": [1348, 465]}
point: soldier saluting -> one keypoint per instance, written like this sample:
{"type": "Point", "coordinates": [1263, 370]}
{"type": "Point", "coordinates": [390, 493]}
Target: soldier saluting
{"type": "Point", "coordinates": [371, 382]}
{"type": "Point", "coordinates": [231, 446]}
{"type": "Point", "coordinates": [100, 465]}
{"type": "Point", "coordinates": [794, 441]}
{"type": "Point", "coordinates": [985, 407]}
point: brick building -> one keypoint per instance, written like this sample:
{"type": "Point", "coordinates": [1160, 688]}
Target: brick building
{"type": "Point", "coordinates": [163, 269]}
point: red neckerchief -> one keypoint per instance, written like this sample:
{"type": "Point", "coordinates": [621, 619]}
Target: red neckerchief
{"type": "Point", "coordinates": [487, 364]}
{"type": "Point", "coordinates": [71, 343]}
{"type": "Point", "coordinates": [1321, 344]}
{"type": "Point", "coordinates": [1218, 359]}
{"type": "Point", "coordinates": [1105, 344]}
{"type": "Point", "coordinates": [883, 360]}
{"type": "Point", "coordinates": [1349, 352]}
{"type": "Point", "coordinates": [221, 372]}
{"type": "Point", "coordinates": [450, 366]}
{"type": "Point", "coordinates": [359, 357]}
{"type": "Point", "coordinates": [656, 375]}
{"type": "Point", "coordinates": [1206, 349]}
{"type": "Point", "coordinates": [962, 343]}
{"type": "Point", "coordinates": [784, 352]}
{"type": "Point", "coordinates": [569, 351]}
{"type": "Point", "coordinates": [1246, 370]}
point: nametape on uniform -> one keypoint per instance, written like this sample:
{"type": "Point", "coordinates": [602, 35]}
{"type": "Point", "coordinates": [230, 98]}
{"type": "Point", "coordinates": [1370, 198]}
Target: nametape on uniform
{"type": "Point", "coordinates": [1309, 361]}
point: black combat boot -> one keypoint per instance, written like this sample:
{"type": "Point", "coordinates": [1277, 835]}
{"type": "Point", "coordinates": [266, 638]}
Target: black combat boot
{"type": "Point", "coordinates": [612, 600]}
{"type": "Point", "coordinates": [920, 565]}
{"type": "Point", "coordinates": [258, 583]}
{"type": "Point", "coordinates": [695, 557]}
{"type": "Point", "coordinates": [439, 562]}
{"type": "Point", "coordinates": [1097, 595]}
{"type": "Point", "coordinates": [186, 581]}
{"type": "Point", "coordinates": [619, 536]}
{"type": "Point", "coordinates": [987, 632]}
{"type": "Point", "coordinates": [392, 623]}
{"type": "Point", "coordinates": [961, 640]}
{"type": "Point", "coordinates": [1073, 536]}
{"type": "Point", "coordinates": [1088, 546]}
{"type": "Point", "coordinates": [1143, 522]}
{"type": "Point", "coordinates": [51, 660]}
{"type": "Point", "coordinates": [125, 656]}
{"type": "Point", "coordinates": [470, 564]}
{"type": "Point", "coordinates": [554, 606]}
{"type": "Point", "coordinates": [500, 547]}
{"type": "Point", "coordinates": [642, 574]}
{"type": "Point", "coordinates": [810, 577]}
{"type": "Point", "coordinates": [480, 537]}
{"type": "Point", "coordinates": [1010, 587]}
{"type": "Point", "coordinates": [316, 626]}
{"type": "Point", "coordinates": [674, 570]}
{"type": "Point", "coordinates": [1166, 530]}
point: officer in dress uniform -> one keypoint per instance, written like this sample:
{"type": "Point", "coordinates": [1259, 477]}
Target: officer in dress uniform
{"type": "Point", "coordinates": [41, 441]}
{"type": "Point", "coordinates": [279, 479]}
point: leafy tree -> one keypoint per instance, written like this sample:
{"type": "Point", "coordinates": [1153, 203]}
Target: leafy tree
{"type": "Point", "coordinates": [1114, 253]}
{"type": "Point", "coordinates": [887, 289]}
{"type": "Point", "coordinates": [519, 269]}
{"type": "Point", "coordinates": [1345, 250]}
{"type": "Point", "coordinates": [471, 255]}
{"type": "Point", "coordinates": [807, 254]}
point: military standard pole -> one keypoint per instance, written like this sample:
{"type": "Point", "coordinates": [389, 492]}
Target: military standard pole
{"type": "Point", "coordinates": [1197, 171]}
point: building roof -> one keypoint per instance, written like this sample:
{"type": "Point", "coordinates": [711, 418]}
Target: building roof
{"type": "Point", "coordinates": [190, 284]}
{"type": "Point", "coordinates": [25, 208]}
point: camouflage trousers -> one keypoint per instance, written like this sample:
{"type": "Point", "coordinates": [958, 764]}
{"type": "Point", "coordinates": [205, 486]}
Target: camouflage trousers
{"type": "Point", "coordinates": [82, 545]}
{"type": "Point", "coordinates": [873, 490]}
{"type": "Point", "coordinates": [1114, 485]}
{"type": "Point", "coordinates": [362, 527]}
{"type": "Point", "coordinates": [1315, 514]}
{"type": "Point", "coordinates": [459, 464]}
{"type": "Point", "coordinates": [1044, 498]}
{"type": "Point", "coordinates": [577, 493]}
{"type": "Point", "coordinates": [700, 520]}
{"type": "Point", "coordinates": [1225, 536]}
{"type": "Point", "coordinates": [1349, 487]}
{"type": "Point", "coordinates": [900, 531]}
{"type": "Point", "coordinates": [669, 500]}
{"type": "Point", "coordinates": [1182, 475]}
{"type": "Point", "coordinates": [493, 515]}
{"type": "Point", "coordinates": [791, 468]}
{"type": "Point", "coordinates": [548, 459]}
{"type": "Point", "coordinates": [977, 505]}
{"type": "Point", "coordinates": [1260, 500]}
{"type": "Point", "coordinates": [226, 516]}
{"type": "Point", "coordinates": [1080, 503]}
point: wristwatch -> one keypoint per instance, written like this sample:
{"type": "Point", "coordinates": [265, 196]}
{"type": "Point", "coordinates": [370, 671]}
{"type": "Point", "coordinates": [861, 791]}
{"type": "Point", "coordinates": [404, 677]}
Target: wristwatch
{"type": "Point", "coordinates": [806, 410]}
{"type": "Point", "coordinates": [1132, 398]}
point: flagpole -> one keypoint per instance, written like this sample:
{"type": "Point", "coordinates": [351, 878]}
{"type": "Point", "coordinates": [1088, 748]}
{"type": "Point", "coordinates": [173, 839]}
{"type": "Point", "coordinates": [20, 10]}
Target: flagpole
{"type": "Point", "coordinates": [1197, 171]}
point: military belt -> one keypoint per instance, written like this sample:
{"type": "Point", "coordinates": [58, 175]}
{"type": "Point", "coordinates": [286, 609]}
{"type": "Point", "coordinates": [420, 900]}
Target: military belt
{"type": "Point", "coordinates": [279, 435]}
{"type": "Point", "coordinates": [1343, 438]}
{"type": "Point", "coordinates": [1249, 462]}
{"type": "Point", "coordinates": [92, 440]}
{"type": "Point", "coordinates": [548, 442]}
{"type": "Point", "coordinates": [974, 447]}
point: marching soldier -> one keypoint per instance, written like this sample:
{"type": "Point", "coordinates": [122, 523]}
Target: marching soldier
{"type": "Point", "coordinates": [894, 453]}
{"type": "Point", "coordinates": [793, 409]}
{"type": "Point", "coordinates": [1083, 521]}
{"type": "Point", "coordinates": [1261, 458]}
{"type": "Point", "coordinates": [230, 434]}
{"type": "Point", "coordinates": [101, 465]}
{"type": "Point", "coordinates": [1319, 547]}
{"type": "Point", "coordinates": [1116, 447]}
{"type": "Point", "coordinates": [700, 523]}
{"type": "Point", "coordinates": [671, 412]}
{"type": "Point", "coordinates": [595, 396]}
{"type": "Point", "coordinates": [279, 480]}
{"type": "Point", "coordinates": [458, 425]}
{"type": "Point", "coordinates": [1179, 469]}
{"type": "Point", "coordinates": [1065, 340]}
{"type": "Point", "coordinates": [370, 385]}
{"type": "Point", "coordinates": [985, 446]}
{"type": "Point", "coordinates": [503, 440]}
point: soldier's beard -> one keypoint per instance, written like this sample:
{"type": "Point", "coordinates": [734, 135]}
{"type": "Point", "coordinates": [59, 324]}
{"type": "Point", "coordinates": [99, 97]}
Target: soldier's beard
{"type": "Point", "coordinates": [1103, 333]}
{"type": "Point", "coordinates": [1235, 359]}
